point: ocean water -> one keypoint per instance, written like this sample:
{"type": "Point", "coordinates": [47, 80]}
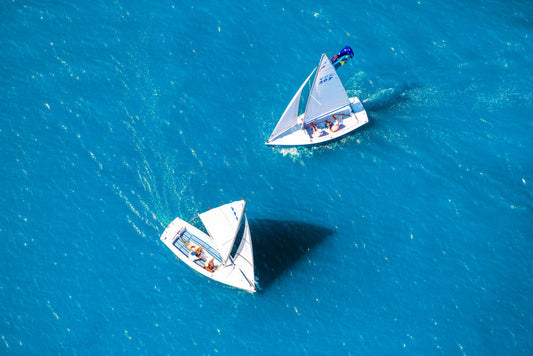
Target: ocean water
{"type": "Point", "coordinates": [413, 235]}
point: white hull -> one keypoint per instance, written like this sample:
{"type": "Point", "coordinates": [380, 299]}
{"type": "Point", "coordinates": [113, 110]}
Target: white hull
{"type": "Point", "coordinates": [228, 273]}
{"type": "Point", "coordinates": [304, 137]}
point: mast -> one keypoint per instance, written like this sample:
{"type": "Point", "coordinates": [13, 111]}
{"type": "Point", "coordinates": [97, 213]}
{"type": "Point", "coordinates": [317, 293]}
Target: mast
{"type": "Point", "coordinates": [317, 68]}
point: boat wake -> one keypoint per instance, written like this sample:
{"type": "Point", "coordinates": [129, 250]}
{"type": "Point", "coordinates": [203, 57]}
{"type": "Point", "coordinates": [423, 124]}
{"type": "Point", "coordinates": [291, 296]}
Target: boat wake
{"type": "Point", "coordinates": [291, 152]}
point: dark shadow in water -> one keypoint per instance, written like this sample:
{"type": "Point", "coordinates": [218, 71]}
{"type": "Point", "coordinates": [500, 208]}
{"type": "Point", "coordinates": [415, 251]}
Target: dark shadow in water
{"type": "Point", "coordinates": [280, 244]}
{"type": "Point", "coordinates": [387, 98]}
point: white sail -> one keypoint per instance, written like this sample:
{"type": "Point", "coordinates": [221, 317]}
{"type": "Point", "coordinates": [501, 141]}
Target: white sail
{"type": "Point", "coordinates": [327, 94]}
{"type": "Point", "coordinates": [289, 117]}
{"type": "Point", "coordinates": [223, 224]}
{"type": "Point", "coordinates": [244, 257]}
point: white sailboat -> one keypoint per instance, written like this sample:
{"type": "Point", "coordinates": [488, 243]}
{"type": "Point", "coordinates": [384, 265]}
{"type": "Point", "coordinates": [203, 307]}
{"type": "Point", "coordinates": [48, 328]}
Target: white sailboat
{"type": "Point", "coordinates": [214, 255]}
{"type": "Point", "coordinates": [329, 113]}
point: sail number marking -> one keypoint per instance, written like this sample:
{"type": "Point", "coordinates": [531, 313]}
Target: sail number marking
{"type": "Point", "coordinates": [325, 78]}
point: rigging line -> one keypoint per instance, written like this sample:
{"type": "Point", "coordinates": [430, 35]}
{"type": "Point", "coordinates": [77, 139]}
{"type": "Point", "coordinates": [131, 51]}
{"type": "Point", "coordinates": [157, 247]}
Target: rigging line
{"type": "Point", "coordinates": [244, 258]}
{"type": "Point", "coordinates": [247, 280]}
{"type": "Point", "coordinates": [319, 103]}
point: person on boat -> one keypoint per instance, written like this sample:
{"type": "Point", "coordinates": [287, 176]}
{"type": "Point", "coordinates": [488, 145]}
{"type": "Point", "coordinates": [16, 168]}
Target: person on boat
{"type": "Point", "coordinates": [333, 126]}
{"type": "Point", "coordinates": [316, 131]}
{"type": "Point", "coordinates": [195, 250]}
{"type": "Point", "coordinates": [336, 125]}
{"type": "Point", "coordinates": [210, 266]}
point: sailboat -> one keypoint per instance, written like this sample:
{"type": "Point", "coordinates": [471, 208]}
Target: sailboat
{"type": "Point", "coordinates": [329, 112]}
{"type": "Point", "coordinates": [225, 254]}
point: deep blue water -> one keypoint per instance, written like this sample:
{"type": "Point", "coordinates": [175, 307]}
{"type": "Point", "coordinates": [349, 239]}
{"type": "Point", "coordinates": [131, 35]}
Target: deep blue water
{"type": "Point", "coordinates": [414, 235]}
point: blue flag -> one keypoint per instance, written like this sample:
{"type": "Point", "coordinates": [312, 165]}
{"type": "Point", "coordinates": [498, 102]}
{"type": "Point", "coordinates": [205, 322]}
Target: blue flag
{"type": "Point", "coordinates": [341, 57]}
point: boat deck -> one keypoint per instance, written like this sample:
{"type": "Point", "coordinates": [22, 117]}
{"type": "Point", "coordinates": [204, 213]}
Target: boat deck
{"type": "Point", "coordinates": [325, 130]}
{"type": "Point", "coordinates": [187, 237]}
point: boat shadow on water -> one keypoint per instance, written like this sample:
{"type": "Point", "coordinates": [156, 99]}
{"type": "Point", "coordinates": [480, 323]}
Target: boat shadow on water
{"type": "Point", "coordinates": [279, 244]}
{"type": "Point", "coordinates": [386, 98]}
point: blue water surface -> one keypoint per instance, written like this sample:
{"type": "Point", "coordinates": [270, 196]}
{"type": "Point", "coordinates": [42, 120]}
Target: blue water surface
{"type": "Point", "coordinates": [414, 235]}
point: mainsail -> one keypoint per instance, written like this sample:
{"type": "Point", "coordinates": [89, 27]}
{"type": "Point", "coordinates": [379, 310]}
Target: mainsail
{"type": "Point", "coordinates": [289, 117]}
{"type": "Point", "coordinates": [327, 94]}
{"type": "Point", "coordinates": [222, 224]}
